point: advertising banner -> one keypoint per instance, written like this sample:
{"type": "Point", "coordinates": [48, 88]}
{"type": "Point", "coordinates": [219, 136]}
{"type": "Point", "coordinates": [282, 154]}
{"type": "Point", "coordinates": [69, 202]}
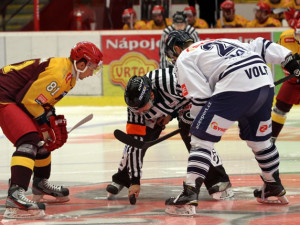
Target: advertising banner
{"type": "Point", "coordinates": [128, 55]}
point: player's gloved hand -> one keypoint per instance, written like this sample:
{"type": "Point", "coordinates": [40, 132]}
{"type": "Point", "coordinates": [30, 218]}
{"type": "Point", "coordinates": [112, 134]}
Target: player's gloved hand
{"type": "Point", "coordinates": [164, 120]}
{"type": "Point", "coordinates": [56, 134]}
{"type": "Point", "coordinates": [134, 190]}
{"type": "Point", "coordinates": [291, 65]}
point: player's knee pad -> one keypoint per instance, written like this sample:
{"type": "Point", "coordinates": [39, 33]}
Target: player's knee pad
{"type": "Point", "coordinates": [198, 143]}
{"type": "Point", "coordinates": [278, 115]}
{"type": "Point", "coordinates": [257, 146]}
{"type": "Point", "coordinates": [28, 149]}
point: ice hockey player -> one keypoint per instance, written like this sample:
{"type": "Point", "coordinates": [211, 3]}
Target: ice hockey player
{"type": "Point", "coordinates": [28, 92]}
{"type": "Point", "coordinates": [235, 84]}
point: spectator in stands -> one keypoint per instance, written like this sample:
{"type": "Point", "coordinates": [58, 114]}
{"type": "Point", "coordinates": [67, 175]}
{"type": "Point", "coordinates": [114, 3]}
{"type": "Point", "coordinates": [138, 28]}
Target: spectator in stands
{"type": "Point", "coordinates": [292, 16]}
{"type": "Point", "coordinates": [279, 5]}
{"type": "Point", "coordinates": [229, 18]}
{"type": "Point", "coordinates": [294, 4]}
{"type": "Point", "coordinates": [293, 13]}
{"type": "Point", "coordinates": [262, 17]}
{"type": "Point", "coordinates": [158, 19]}
{"type": "Point", "coordinates": [192, 20]}
{"type": "Point", "coordinates": [82, 17]}
{"type": "Point", "coordinates": [179, 23]}
{"type": "Point", "coordinates": [130, 20]}
{"type": "Point", "coordinates": [209, 10]}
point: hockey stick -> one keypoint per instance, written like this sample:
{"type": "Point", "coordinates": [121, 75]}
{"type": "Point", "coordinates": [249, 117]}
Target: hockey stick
{"type": "Point", "coordinates": [284, 79]}
{"type": "Point", "coordinates": [81, 122]}
{"type": "Point", "coordinates": [129, 140]}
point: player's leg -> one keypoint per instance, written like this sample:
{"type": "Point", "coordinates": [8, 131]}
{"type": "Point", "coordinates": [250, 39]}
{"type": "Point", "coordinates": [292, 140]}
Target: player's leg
{"type": "Point", "coordinates": [217, 181]}
{"type": "Point", "coordinates": [21, 131]}
{"type": "Point", "coordinates": [42, 190]}
{"type": "Point", "coordinates": [121, 178]}
{"type": "Point", "coordinates": [256, 129]}
{"type": "Point", "coordinates": [288, 95]}
{"type": "Point", "coordinates": [207, 129]}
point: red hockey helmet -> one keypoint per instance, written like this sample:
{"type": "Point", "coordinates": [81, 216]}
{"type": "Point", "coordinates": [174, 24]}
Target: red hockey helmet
{"type": "Point", "coordinates": [190, 10]}
{"type": "Point", "coordinates": [87, 50]}
{"type": "Point", "coordinates": [157, 9]}
{"type": "Point", "coordinates": [263, 7]}
{"type": "Point", "coordinates": [128, 13]}
{"type": "Point", "coordinates": [227, 5]}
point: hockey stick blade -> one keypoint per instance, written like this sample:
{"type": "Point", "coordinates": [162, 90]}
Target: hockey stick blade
{"type": "Point", "coordinates": [129, 140]}
{"type": "Point", "coordinates": [283, 79]}
{"type": "Point", "coordinates": [81, 122]}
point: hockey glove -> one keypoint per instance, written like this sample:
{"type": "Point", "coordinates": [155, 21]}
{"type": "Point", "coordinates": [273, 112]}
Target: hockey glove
{"type": "Point", "coordinates": [56, 134]}
{"type": "Point", "coordinates": [291, 65]}
{"type": "Point", "coordinates": [184, 115]}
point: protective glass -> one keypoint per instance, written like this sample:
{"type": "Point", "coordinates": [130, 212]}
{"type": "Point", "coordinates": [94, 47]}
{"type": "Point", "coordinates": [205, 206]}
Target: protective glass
{"type": "Point", "coordinates": [97, 69]}
{"type": "Point", "coordinates": [170, 56]}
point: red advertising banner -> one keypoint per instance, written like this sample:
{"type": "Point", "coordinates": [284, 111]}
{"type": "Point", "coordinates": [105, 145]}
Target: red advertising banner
{"type": "Point", "coordinates": [126, 55]}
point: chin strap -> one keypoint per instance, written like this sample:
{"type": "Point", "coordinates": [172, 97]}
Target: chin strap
{"type": "Point", "coordinates": [78, 71]}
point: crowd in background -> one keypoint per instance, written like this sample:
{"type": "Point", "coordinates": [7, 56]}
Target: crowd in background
{"type": "Point", "coordinates": [267, 13]}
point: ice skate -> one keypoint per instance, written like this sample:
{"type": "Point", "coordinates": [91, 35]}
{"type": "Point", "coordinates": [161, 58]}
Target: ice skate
{"type": "Point", "coordinates": [113, 189]}
{"type": "Point", "coordinates": [43, 191]}
{"type": "Point", "coordinates": [273, 190]}
{"type": "Point", "coordinates": [185, 203]}
{"type": "Point", "coordinates": [221, 191]}
{"type": "Point", "coordinates": [18, 206]}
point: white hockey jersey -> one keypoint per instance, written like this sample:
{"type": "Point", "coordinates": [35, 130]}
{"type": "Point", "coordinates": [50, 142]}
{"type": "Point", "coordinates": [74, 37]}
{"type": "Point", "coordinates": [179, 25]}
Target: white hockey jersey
{"type": "Point", "coordinates": [210, 67]}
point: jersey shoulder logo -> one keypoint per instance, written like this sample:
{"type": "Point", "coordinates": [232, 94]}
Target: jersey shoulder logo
{"type": "Point", "coordinates": [41, 99]}
{"type": "Point", "coordinates": [289, 40]}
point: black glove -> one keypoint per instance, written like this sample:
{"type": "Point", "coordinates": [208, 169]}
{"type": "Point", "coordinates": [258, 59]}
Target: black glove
{"type": "Point", "coordinates": [291, 65]}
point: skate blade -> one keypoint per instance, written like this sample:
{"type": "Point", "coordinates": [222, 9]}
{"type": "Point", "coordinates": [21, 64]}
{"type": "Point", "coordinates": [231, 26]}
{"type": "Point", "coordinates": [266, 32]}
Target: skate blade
{"type": "Point", "coordinates": [281, 200]}
{"type": "Point", "coordinates": [50, 199]}
{"type": "Point", "coordinates": [15, 213]}
{"type": "Point", "coordinates": [182, 210]}
{"type": "Point", "coordinates": [111, 196]}
{"type": "Point", "coordinates": [223, 195]}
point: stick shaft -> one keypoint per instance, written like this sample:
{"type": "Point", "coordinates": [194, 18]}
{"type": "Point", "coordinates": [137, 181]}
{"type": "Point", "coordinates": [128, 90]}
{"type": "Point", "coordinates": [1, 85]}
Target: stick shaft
{"type": "Point", "coordinates": [81, 122]}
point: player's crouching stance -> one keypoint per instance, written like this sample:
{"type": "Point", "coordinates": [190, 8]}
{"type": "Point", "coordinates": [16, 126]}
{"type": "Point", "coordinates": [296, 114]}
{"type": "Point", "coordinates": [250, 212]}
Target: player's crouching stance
{"type": "Point", "coordinates": [29, 91]}
{"type": "Point", "coordinates": [153, 100]}
{"type": "Point", "coordinates": [228, 78]}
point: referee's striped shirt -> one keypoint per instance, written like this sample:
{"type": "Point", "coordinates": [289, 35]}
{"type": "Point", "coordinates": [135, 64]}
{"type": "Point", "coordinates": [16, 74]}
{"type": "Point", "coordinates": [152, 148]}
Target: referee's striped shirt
{"type": "Point", "coordinates": [168, 100]}
{"type": "Point", "coordinates": [163, 63]}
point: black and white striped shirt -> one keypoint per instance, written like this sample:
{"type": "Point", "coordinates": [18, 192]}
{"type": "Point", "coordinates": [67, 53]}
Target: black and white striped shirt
{"type": "Point", "coordinates": [168, 98]}
{"type": "Point", "coordinates": [168, 101]}
{"type": "Point", "coordinates": [164, 63]}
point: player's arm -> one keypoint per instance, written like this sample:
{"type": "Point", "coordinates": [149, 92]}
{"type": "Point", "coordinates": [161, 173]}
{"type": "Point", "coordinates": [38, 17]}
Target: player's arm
{"type": "Point", "coordinates": [135, 127]}
{"type": "Point", "coordinates": [39, 102]}
{"type": "Point", "coordinates": [271, 52]}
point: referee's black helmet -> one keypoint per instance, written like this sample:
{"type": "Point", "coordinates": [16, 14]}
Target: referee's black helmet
{"type": "Point", "coordinates": [138, 92]}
